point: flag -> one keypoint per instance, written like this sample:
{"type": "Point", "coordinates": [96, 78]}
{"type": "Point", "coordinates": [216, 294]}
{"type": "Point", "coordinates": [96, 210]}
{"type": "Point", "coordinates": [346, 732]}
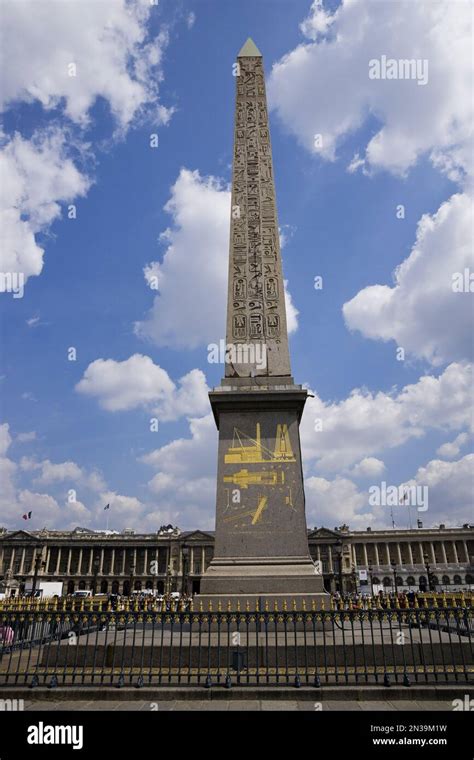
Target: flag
{"type": "Point", "coordinates": [27, 516]}
{"type": "Point", "coordinates": [107, 507]}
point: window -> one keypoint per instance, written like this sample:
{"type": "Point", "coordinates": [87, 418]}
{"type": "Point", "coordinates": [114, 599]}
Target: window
{"type": "Point", "coordinates": [410, 580]}
{"type": "Point", "coordinates": [387, 581]}
{"type": "Point", "coordinates": [446, 580]}
{"type": "Point", "coordinates": [457, 580]}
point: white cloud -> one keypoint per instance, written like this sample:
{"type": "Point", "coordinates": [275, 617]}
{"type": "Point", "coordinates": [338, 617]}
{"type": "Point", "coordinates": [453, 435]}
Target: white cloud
{"type": "Point", "coordinates": [107, 41]}
{"type": "Point", "coordinates": [122, 508]}
{"type": "Point", "coordinates": [52, 473]}
{"type": "Point", "coordinates": [450, 489]}
{"type": "Point", "coordinates": [58, 472]}
{"type": "Point", "coordinates": [26, 437]}
{"type": "Point", "coordinates": [190, 308]}
{"type": "Point", "coordinates": [138, 382]}
{"type": "Point", "coordinates": [369, 467]}
{"type": "Point", "coordinates": [421, 312]}
{"type": "Point", "coordinates": [318, 22]}
{"type": "Point", "coordinates": [184, 479]}
{"type": "Point", "coordinates": [115, 59]}
{"type": "Point", "coordinates": [451, 449]}
{"type": "Point", "coordinates": [15, 501]}
{"type": "Point", "coordinates": [338, 500]}
{"type": "Point", "coordinates": [5, 438]}
{"type": "Point", "coordinates": [37, 177]}
{"type": "Point", "coordinates": [8, 470]}
{"type": "Point", "coordinates": [291, 311]}
{"type": "Point", "coordinates": [323, 87]}
{"type": "Point", "coordinates": [47, 511]}
{"type": "Point", "coordinates": [366, 423]}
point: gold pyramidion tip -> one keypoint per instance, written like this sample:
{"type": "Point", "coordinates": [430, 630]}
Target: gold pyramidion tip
{"type": "Point", "coordinates": [249, 50]}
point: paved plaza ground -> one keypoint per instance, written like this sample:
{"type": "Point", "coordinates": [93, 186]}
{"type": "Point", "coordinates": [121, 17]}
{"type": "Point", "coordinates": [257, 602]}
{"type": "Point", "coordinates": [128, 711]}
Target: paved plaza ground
{"type": "Point", "coordinates": [247, 704]}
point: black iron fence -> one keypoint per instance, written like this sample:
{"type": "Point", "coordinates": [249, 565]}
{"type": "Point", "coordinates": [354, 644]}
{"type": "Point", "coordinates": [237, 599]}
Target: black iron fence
{"type": "Point", "coordinates": [182, 648]}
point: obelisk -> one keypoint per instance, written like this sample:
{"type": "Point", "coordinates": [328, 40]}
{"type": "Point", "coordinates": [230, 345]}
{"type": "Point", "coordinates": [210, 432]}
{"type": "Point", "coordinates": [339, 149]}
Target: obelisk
{"type": "Point", "coordinates": [261, 547]}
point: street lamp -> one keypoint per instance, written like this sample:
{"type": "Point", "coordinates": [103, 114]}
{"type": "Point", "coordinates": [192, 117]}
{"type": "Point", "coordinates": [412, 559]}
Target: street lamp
{"type": "Point", "coordinates": [132, 575]}
{"type": "Point", "coordinates": [96, 564]}
{"type": "Point", "coordinates": [371, 580]}
{"type": "Point", "coordinates": [185, 555]}
{"type": "Point", "coordinates": [38, 563]}
{"type": "Point", "coordinates": [338, 548]}
{"type": "Point", "coordinates": [428, 568]}
{"type": "Point", "coordinates": [394, 570]}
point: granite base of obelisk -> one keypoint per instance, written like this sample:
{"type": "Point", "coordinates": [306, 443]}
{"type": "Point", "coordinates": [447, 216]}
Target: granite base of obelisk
{"type": "Point", "coordinates": [261, 548]}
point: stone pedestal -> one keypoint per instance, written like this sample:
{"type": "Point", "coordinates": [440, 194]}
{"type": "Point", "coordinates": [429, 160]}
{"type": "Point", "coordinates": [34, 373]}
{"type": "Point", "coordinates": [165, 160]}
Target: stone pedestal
{"type": "Point", "coordinates": [261, 547]}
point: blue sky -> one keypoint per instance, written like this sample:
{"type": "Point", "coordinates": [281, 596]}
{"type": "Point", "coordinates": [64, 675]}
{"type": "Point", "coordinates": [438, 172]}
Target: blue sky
{"type": "Point", "coordinates": [76, 434]}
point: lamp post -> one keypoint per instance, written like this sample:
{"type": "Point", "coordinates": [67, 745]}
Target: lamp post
{"type": "Point", "coordinates": [338, 549]}
{"type": "Point", "coordinates": [428, 568]}
{"type": "Point", "coordinates": [185, 555]}
{"type": "Point", "coordinates": [38, 563]}
{"type": "Point", "coordinates": [371, 580]}
{"type": "Point", "coordinates": [354, 579]}
{"type": "Point", "coordinates": [132, 576]}
{"type": "Point", "coordinates": [96, 563]}
{"type": "Point", "coordinates": [394, 571]}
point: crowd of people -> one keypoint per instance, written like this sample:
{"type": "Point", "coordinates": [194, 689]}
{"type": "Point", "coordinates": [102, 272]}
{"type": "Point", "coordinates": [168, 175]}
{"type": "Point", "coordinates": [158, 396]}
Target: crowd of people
{"type": "Point", "coordinates": [386, 600]}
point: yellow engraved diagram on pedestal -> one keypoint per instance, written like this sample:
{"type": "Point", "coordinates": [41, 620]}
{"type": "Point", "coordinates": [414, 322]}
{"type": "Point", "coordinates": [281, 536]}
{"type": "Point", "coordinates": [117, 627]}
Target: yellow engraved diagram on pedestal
{"type": "Point", "coordinates": [255, 514]}
{"type": "Point", "coordinates": [244, 478]}
{"type": "Point", "coordinates": [248, 450]}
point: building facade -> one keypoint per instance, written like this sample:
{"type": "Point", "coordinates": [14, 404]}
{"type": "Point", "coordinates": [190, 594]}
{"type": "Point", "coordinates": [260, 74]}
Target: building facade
{"type": "Point", "coordinates": [438, 559]}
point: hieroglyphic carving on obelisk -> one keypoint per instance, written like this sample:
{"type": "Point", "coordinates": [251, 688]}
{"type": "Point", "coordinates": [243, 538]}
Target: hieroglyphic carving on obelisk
{"type": "Point", "coordinates": [256, 311]}
{"type": "Point", "coordinates": [261, 545]}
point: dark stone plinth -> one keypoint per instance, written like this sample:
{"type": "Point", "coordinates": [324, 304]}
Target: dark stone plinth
{"type": "Point", "coordinates": [261, 549]}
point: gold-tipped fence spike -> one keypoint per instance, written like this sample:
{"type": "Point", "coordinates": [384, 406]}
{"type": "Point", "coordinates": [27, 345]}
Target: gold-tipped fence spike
{"type": "Point", "coordinates": [247, 606]}
{"type": "Point", "coordinates": [285, 606]}
{"type": "Point", "coordinates": [201, 607]}
{"type": "Point", "coordinates": [229, 606]}
{"type": "Point", "coordinates": [304, 605]}
{"type": "Point", "coordinates": [238, 605]}
{"type": "Point", "coordinates": [219, 606]}
{"type": "Point", "coordinates": [275, 605]}
{"type": "Point", "coordinates": [266, 605]}
{"type": "Point", "coordinates": [294, 605]}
